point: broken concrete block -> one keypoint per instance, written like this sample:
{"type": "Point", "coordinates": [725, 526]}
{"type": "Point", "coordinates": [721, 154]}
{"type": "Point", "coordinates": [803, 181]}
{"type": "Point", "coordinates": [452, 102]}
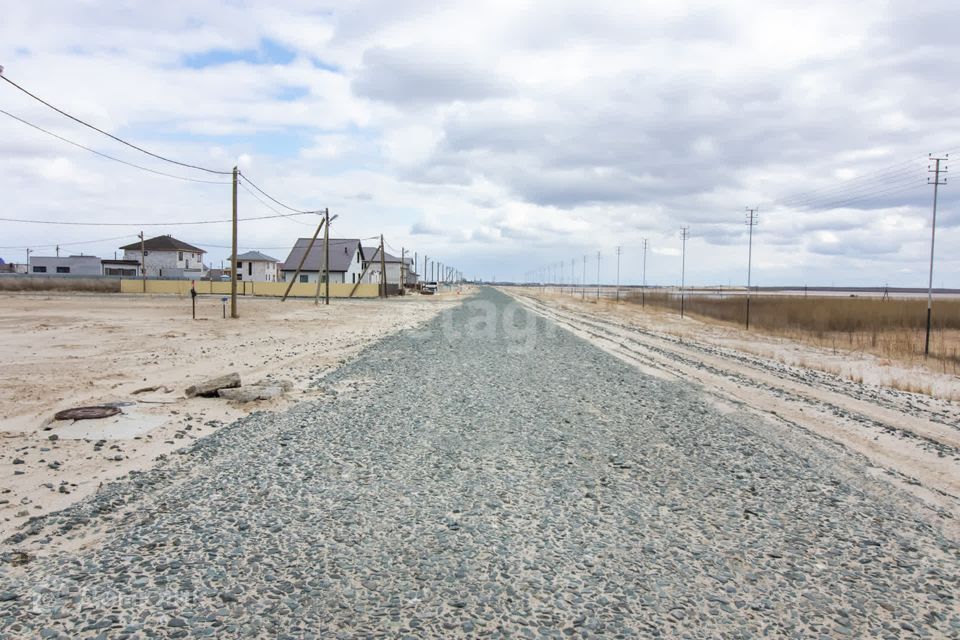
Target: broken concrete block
{"type": "Point", "coordinates": [251, 393]}
{"type": "Point", "coordinates": [209, 388]}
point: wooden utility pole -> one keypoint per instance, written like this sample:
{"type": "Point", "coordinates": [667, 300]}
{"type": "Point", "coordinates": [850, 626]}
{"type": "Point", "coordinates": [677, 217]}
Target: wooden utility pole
{"type": "Point", "coordinates": [143, 263]}
{"type": "Point", "coordinates": [684, 234]}
{"type": "Point", "coordinates": [403, 265]}
{"type": "Point", "coordinates": [383, 268]}
{"type": "Point", "coordinates": [233, 256]}
{"type": "Point", "coordinates": [751, 222]}
{"type": "Point", "coordinates": [302, 260]}
{"type": "Point", "coordinates": [326, 252]}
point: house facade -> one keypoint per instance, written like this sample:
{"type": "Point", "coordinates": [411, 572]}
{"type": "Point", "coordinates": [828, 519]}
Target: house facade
{"type": "Point", "coordinates": [65, 266]}
{"type": "Point", "coordinates": [346, 261]}
{"type": "Point", "coordinates": [257, 267]}
{"type": "Point", "coordinates": [167, 257]}
{"type": "Point", "coordinates": [371, 256]}
{"type": "Point", "coordinates": [121, 268]}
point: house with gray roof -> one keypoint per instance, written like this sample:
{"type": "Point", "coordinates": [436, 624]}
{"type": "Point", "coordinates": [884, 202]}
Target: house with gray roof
{"type": "Point", "coordinates": [346, 261]}
{"type": "Point", "coordinates": [257, 267]}
{"type": "Point", "coordinates": [167, 257]}
{"type": "Point", "coordinates": [371, 256]}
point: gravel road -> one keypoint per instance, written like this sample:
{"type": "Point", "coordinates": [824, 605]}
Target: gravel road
{"type": "Point", "coordinates": [490, 475]}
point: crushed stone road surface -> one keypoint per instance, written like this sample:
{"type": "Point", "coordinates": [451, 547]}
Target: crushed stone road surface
{"type": "Point", "coordinates": [468, 480]}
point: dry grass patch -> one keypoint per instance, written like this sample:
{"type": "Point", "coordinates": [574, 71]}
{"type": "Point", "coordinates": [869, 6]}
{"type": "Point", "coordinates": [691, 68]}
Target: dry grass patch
{"type": "Point", "coordinates": [888, 328]}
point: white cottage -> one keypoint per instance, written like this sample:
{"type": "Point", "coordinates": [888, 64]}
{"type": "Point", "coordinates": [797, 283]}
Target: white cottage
{"type": "Point", "coordinates": [345, 261]}
{"type": "Point", "coordinates": [256, 267]}
{"type": "Point", "coordinates": [167, 257]}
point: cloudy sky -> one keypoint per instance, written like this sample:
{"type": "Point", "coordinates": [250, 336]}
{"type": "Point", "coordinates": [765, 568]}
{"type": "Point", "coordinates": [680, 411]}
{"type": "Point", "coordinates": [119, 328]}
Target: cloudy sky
{"type": "Point", "coordinates": [500, 136]}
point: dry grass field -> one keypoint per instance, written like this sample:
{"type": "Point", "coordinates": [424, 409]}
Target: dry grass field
{"type": "Point", "coordinates": [62, 284]}
{"type": "Point", "coordinates": [893, 328]}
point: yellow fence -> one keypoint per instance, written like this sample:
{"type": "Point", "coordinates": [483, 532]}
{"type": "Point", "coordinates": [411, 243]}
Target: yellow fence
{"type": "Point", "coordinates": [247, 288]}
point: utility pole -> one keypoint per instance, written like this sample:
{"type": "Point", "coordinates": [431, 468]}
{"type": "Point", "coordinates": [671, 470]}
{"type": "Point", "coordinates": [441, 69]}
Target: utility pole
{"type": "Point", "coordinates": [58, 251]}
{"type": "Point", "coordinates": [383, 267]}
{"type": "Point", "coordinates": [233, 256]}
{"type": "Point", "coordinates": [619, 251]}
{"type": "Point", "coordinates": [583, 288]}
{"type": "Point", "coordinates": [643, 288]}
{"type": "Point", "coordinates": [326, 254]}
{"type": "Point", "coordinates": [751, 223]}
{"type": "Point", "coordinates": [561, 277]}
{"type": "Point", "coordinates": [29, 251]}
{"type": "Point", "coordinates": [403, 268]}
{"type": "Point", "coordinates": [598, 276]}
{"type": "Point", "coordinates": [143, 263]}
{"type": "Point", "coordinates": [684, 233]}
{"type": "Point", "coordinates": [936, 171]}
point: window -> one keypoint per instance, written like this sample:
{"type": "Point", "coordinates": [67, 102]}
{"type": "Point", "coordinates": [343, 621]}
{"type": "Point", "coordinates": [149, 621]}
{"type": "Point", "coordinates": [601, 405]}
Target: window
{"type": "Point", "coordinates": [63, 269]}
{"type": "Point", "coordinates": [39, 269]}
{"type": "Point", "coordinates": [239, 276]}
{"type": "Point", "coordinates": [146, 253]}
{"type": "Point", "coordinates": [180, 256]}
{"type": "Point", "coordinates": [249, 268]}
{"type": "Point", "coordinates": [240, 265]}
{"type": "Point", "coordinates": [303, 277]}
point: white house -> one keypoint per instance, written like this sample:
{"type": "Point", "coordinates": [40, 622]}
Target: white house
{"type": "Point", "coordinates": [371, 256]}
{"type": "Point", "coordinates": [165, 256]}
{"type": "Point", "coordinates": [256, 267]}
{"type": "Point", "coordinates": [345, 261]}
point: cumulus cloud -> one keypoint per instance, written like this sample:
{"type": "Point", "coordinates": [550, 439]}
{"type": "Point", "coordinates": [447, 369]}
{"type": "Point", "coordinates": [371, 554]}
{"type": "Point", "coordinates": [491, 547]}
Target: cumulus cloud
{"type": "Point", "coordinates": [505, 133]}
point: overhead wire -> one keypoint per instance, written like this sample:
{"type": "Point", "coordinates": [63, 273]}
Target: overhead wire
{"type": "Point", "coordinates": [107, 156]}
{"type": "Point", "coordinates": [146, 224]}
{"type": "Point", "coordinates": [285, 206]}
{"type": "Point", "coordinates": [66, 244]}
{"type": "Point", "coordinates": [110, 135]}
{"type": "Point", "coordinates": [289, 216]}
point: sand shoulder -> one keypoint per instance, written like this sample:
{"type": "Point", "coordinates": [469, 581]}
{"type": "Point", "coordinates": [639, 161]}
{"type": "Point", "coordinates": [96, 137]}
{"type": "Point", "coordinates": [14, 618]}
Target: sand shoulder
{"type": "Point", "coordinates": [65, 350]}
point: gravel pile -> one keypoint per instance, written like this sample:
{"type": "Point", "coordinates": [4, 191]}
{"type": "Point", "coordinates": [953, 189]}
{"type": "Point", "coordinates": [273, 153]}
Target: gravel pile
{"type": "Point", "coordinates": [457, 482]}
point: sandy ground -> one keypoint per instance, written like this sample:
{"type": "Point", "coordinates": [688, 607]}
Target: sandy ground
{"type": "Point", "coordinates": [66, 350]}
{"type": "Point", "coordinates": [911, 439]}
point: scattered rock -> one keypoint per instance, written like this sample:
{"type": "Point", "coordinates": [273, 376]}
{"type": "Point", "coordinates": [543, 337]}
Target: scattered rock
{"type": "Point", "coordinates": [209, 388]}
{"type": "Point", "coordinates": [251, 393]}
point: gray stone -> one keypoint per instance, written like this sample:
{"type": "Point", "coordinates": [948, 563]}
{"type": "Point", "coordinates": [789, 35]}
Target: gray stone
{"type": "Point", "coordinates": [209, 388]}
{"type": "Point", "coordinates": [251, 393]}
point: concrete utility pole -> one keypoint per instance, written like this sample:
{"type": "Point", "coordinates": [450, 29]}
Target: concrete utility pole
{"type": "Point", "coordinates": [29, 251]}
{"type": "Point", "coordinates": [598, 276]}
{"type": "Point", "coordinates": [684, 233]}
{"type": "Point", "coordinates": [936, 171]}
{"type": "Point", "coordinates": [751, 222]}
{"type": "Point", "coordinates": [233, 255]}
{"type": "Point", "coordinates": [643, 288]}
{"type": "Point", "coordinates": [58, 251]}
{"type": "Point", "coordinates": [619, 251]}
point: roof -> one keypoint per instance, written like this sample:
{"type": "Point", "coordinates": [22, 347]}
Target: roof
{"type": "Point", "coordinates": [163, 243]}
{"type": "Point", "coordinates": [256, 256]}
{"type": "Point", "coordinates": [342, 251]}
{"type": "Point", "coordinates": [372, 254]}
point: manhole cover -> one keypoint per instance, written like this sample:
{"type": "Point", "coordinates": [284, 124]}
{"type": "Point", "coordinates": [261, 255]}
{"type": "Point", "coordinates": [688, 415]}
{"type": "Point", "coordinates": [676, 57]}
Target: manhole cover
{"type": "Point", "coordinates": [86, 413]}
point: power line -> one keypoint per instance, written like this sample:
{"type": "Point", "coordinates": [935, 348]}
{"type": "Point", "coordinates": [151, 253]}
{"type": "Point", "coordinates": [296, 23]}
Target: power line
{"type": "Point", "coordinates": [148, 224]}
{"type": "Point", "coordinates": [108, 157]}
{"type": "Point", "coordinates": [289, 216]}
{"type": "Point", "coordinates": [285, 206]}
{"type": "Point", "coordinates": [110, 135]}
{"type": "Point", "coordinates": [66, 244]}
